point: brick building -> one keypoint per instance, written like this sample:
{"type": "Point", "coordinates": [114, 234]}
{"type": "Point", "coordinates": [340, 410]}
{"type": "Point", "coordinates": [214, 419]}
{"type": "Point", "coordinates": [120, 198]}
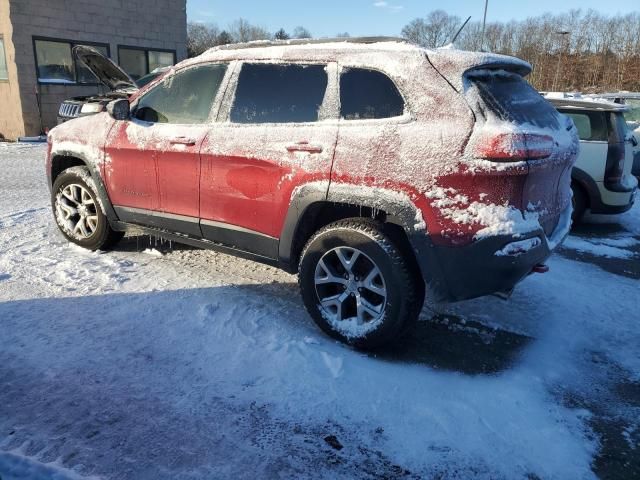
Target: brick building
{"type": "Point", "coordinates": [37, 71]}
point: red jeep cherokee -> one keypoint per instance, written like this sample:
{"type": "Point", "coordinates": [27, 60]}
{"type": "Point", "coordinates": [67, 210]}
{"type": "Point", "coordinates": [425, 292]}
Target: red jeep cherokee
{"type": "Point", "coordinates": [371, 167]}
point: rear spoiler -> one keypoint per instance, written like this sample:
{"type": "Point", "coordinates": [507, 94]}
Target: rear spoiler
{"type": "Point", "coordinates": [454, 64]}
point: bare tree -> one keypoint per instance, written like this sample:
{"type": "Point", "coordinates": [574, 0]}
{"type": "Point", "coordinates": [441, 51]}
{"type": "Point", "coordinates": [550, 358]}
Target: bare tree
{"type": "Point", "coordinates": [201, 37]}
{"type": "Point", "coordinates": [599, 52]}
{"type": "Point", "coordinates": [301, 32]}
{"type": "Point", "coordinates": [243, 31]}
{"type": "Point", "coordinates": [436, 30]}
{"type": "Point", "coordinates": [281, 35]}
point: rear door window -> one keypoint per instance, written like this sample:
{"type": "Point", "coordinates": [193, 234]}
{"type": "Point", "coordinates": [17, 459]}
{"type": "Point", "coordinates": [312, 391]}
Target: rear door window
{"type": "Point", "coordinates": [368, 94]}
{"type": "Point", "coordinates": [592, 126]}
{"type": "Point", "coordinates": [184, 98]}
{"type": "Point", "coordinates": [508, 97]}
{"type": "Point", "coordinates": [269, 93]}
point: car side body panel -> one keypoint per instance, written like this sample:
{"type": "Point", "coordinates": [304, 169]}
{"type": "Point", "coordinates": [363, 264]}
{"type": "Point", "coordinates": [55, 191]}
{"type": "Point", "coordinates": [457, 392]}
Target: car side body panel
{"type": "Point", "coordinates": [245, 188]}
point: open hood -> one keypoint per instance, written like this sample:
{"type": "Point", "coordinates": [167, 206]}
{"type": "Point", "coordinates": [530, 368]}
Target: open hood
{"type": "Point", "coordinates": [104, 69]}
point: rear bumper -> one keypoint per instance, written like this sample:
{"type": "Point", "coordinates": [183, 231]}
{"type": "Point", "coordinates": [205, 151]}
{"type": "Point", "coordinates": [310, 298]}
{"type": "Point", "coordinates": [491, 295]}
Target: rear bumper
{"type": "Point", "coordinates": [485, 266]}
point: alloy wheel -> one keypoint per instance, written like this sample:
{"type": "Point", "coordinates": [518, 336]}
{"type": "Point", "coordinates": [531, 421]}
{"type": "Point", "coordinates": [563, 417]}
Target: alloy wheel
{"type": "Point", "coordinates": [76, 211]}
{"type": "Point", "coordinates": [350, 286]}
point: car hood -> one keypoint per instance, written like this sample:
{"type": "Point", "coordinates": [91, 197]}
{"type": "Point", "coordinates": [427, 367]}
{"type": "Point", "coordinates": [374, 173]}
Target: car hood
{"type": "Point", "coordinates": [109, 74]}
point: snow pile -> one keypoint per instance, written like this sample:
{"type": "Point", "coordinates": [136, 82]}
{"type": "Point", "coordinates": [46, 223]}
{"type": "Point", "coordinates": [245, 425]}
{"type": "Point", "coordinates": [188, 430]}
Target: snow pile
{"type": "Point", "coordinates": [603, 247]}
{"type": "Point", "coordinates": [500, 220]}
{"type": "Point", "coordinates": [493, 219]}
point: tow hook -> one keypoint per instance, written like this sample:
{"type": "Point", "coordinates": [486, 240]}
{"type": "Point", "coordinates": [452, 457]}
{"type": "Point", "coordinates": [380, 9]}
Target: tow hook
{"type": "Point", "coordinates": [540, 268]}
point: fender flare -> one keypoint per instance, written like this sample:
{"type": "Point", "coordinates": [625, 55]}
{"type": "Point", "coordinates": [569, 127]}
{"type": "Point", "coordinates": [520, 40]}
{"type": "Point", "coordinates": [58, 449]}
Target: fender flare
{"type": "Point", "coordinates": [399, 208]}
{"type": "Point", "coordinates": [104, 199]}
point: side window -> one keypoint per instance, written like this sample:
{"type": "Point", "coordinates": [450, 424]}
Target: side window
{"type": "Point", "coordinates": [591, 125]}
{"type": "Point", "coordinates": [368, 94]}
{"type": "Point", "coordinates": [270, 93]}
{"type": "Point", "coordinates": [184, 98]}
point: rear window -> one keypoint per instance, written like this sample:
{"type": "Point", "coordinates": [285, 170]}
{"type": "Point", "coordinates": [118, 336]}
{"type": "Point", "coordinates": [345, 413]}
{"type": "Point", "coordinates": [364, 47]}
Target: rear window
{"type": "Point", "coordinates": [279, 93]}
{"type": "Point", "coordinates": [510, 98]}
{"type": "Point", "coordinates": [592, 126]}
{"type": "Point", "coordinates": [368, 94]}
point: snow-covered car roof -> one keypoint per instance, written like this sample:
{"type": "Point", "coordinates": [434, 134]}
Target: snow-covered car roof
{"type": "Point", "coordinates": [613, 95]}
{"type": "Point", "coordinates": [578, 102]}
{"type": "Point", "coordinates": [450, 62]}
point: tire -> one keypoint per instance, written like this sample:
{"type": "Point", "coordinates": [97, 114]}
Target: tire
{"type": "Point", "coordinates": [579, 203]}
{"type": "Point", "coordinates": [356, 284]}
{"type": "Point", "coordinates": [78, 213]}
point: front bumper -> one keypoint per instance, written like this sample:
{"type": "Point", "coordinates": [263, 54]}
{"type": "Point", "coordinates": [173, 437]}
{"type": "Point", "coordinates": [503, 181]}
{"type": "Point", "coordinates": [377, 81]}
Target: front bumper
{"type": "Point", "coordinates": [486, 267]}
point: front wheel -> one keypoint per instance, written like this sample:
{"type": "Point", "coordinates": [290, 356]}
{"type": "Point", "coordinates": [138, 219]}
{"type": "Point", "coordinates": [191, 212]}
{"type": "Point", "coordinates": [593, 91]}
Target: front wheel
{"type": "Point", "coordinates": [78, 213]}
{"type": "Point", "coordinates": [356, 284]}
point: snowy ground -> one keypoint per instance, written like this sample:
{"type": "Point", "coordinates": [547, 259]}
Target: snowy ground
{"type": "Point", "coordinates": [193, 364]}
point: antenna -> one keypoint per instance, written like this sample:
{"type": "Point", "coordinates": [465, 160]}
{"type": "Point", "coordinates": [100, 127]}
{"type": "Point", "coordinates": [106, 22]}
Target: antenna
{"type": "Point", "coordinates": [455, 37]}
{"type": "Point", "coordinates": [484, 23]}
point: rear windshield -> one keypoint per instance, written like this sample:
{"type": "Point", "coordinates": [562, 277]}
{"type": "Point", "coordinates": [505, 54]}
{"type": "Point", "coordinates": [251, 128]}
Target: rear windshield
{"type": "Point", "coordinates": [508, 97]}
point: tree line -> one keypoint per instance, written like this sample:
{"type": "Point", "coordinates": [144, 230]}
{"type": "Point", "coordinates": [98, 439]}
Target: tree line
{"type": "Point", "coordinates": [574, 51]}
{"type": "Point", "coordinates": [201, 37]}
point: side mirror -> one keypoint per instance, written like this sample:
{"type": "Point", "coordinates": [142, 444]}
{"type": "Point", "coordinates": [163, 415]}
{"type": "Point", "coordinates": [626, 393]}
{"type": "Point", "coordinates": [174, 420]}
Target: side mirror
{"type": "Point", "coordinates": [119, 109]}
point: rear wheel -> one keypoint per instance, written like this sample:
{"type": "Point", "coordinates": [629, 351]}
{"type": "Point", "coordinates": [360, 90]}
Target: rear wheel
{"type": "Point", "coordinates": [579, 203]}
{"type": "Point", "coordinates": [356, 284]}
{"type": "Point", "coordinates": [78, 212]}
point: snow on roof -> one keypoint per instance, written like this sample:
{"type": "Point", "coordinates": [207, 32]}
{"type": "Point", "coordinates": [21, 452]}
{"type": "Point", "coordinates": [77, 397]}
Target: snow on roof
{"type": "Point", "coordinates": [449, 61]}
{"type": "Point", "coordinates": [578, 101]}
{"type": "Point", "coordinates": [622, 94]}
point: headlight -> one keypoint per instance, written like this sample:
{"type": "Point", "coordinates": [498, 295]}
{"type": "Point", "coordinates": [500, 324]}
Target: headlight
{"type": "Point", "coordinates": [91, 108]}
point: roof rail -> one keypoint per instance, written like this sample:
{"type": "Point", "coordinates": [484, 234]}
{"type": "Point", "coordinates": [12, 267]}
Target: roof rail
{"type": "Point", "coordinates": [307, 41]}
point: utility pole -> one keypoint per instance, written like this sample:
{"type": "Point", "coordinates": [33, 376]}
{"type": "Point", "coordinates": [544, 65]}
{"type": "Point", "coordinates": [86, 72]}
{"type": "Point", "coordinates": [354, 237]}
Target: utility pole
{"type": "Point", "coordinates": [563, 33]}
{"type": "Point", "coordinates": [484, 23]}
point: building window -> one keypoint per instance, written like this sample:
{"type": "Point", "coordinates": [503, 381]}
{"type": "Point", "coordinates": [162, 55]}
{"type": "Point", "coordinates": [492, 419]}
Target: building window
{"type": "Point", "coordinates": [4, 75]}
{"type": "Point", "coordinates": [138, 62]}
{"type": "Point", "coordinates": [55, 62]}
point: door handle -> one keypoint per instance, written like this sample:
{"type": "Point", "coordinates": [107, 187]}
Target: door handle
{"type": "Point", "coordinates": [304, 147]}
{"type": "Point", "coordinates": [182, 141]}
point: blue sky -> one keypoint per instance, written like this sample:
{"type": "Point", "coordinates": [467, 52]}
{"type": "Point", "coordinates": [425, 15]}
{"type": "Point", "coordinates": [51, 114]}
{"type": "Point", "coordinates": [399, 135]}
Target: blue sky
{"type": "Point", "coordinates": [376, 17]}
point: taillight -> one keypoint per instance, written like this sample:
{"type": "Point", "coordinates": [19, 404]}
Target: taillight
{"type": "Point", "coordinates": [614, 169]}
{"type": "Point", "coordinates": [512, 147]}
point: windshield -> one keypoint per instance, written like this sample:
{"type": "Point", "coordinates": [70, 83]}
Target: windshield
{"type": "Point", "coordinates": [510, 98]}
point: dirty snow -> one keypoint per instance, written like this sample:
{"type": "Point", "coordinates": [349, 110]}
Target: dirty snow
{"type": "Point", "coordinates": [194, 364]}
{"type": "Point", "coordinates": [610, 248]}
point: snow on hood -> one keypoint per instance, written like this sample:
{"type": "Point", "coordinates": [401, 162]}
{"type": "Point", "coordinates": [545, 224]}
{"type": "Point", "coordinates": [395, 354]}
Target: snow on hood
{"type": "Point", "coordinates": [109, 74]}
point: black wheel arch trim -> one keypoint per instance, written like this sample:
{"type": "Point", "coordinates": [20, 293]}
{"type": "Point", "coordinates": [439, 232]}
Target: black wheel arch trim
{"type": "Point", "coordinates": [399, 211]}
{"type": "Point", "coordinates": [588, 184]}
{"type": "Point", "coordinates": [595, 203]}
{"type": "Point", "coordinates": [105, 201]}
